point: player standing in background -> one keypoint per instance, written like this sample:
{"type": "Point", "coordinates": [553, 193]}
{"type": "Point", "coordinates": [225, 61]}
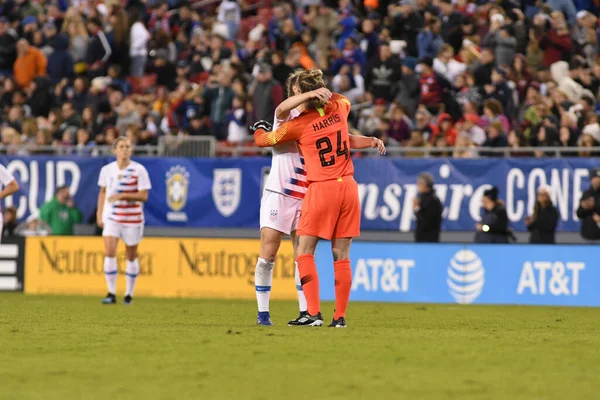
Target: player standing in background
{"type": "Point", "coordinates": [331, 208]}
{"type": "Point", "coordinates": [281, 202]}
{"type": "Point", "coordinates": [124, 186]}
{"type": "Point", "coordinates": [9, 186]}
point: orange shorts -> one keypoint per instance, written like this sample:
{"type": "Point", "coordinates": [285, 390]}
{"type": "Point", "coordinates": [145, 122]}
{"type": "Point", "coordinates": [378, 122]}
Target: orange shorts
{"type": "Point", "coordinates": [331, 209]}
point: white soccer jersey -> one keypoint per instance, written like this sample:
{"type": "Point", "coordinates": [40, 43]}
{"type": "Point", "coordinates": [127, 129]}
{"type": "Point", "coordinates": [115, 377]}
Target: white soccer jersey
{"type": "Point", "coordinates": [288, 174]}
{"type": "Point", "coordinates": [133, 178]}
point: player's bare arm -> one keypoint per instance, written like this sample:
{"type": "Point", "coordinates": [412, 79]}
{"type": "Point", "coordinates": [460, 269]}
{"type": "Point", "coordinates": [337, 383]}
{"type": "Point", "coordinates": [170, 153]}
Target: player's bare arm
{"type": "Point", "coordinates": [283, 109]}
{"type": "Point", "coordinates": [365, 142]}
{"type": "Point", "coordinates": [9, 189]}
{"type": "Point", "coordinates": [141, 195]}
{"type": "Point", "coordinates": [100, 207]}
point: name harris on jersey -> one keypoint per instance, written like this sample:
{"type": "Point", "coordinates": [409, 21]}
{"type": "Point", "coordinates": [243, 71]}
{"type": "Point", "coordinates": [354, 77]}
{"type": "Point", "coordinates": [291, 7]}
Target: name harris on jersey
{"type": "Point", "coordinates": [327, 122]}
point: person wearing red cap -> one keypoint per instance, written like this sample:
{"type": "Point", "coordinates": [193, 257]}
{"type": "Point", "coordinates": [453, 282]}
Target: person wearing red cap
{"type": "Point", "coordinates": [470, 127]}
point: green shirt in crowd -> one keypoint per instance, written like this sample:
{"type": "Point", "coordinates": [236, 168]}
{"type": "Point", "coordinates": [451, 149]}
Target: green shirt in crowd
{"type": "Point", "coordinates": [60, 217]}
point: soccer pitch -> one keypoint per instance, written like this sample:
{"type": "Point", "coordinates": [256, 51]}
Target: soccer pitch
{"type": "Point", "coordinates": [73, 348]}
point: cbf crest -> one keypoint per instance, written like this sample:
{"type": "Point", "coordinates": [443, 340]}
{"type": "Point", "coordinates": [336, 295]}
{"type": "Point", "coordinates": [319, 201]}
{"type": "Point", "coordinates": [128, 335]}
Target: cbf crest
{"type": "Point", "coordinates": [227, 190]}
{"type": "Point", "coordinates": [177, 181]}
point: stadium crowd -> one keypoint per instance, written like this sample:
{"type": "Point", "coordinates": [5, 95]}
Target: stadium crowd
{"type": "Point", "coordinates": [454, 75]}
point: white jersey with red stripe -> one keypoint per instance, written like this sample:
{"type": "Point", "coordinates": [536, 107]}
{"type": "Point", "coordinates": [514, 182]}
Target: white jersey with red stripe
{"type": "Point", "coordinates": [133, 178]}
{"type": "Point", "coordinates": [288, 174]}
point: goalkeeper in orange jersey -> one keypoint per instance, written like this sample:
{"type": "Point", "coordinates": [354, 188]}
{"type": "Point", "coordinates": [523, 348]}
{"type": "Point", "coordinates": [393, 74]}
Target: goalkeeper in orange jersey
{"type": "Point", "coordinates": [331, 208]}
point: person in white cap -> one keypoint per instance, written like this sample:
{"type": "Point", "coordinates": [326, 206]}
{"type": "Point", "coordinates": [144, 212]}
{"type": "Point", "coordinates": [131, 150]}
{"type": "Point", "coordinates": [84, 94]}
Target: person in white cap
{"type": "Point", "coordinates": [542, 224]}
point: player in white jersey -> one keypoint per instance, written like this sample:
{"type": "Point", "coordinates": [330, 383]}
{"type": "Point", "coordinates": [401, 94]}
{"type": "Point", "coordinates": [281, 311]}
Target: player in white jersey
{"type": "Point", "coordinates": [281, 202]}
{"type": "Point", "coordinates": [124, 186]}
{"type": "Point", "coordinates": [9, 186]}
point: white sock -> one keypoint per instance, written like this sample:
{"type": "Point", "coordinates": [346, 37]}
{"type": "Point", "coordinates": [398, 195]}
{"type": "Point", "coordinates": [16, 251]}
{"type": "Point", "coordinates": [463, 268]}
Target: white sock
{"type": "Point", "coordinates": [132, 271]}
{"type": "Point", "coordinates": [301, 299]}
{"type": "Point", "coordinates": [263, 277]}
{"type": "Point", "coordinates": [110, 273]}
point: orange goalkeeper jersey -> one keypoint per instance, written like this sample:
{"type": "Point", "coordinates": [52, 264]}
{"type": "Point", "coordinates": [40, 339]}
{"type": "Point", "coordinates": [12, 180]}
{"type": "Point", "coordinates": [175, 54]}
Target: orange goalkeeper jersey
{"type": "Point", "coordinates": [323, 139]}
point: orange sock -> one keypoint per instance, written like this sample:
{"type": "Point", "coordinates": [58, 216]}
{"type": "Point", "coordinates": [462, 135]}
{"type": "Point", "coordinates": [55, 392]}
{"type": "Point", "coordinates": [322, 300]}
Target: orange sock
{"type": "Point", "coordinates": [343, 283]}
{"type": "Point", "coordinates": [310, 282]}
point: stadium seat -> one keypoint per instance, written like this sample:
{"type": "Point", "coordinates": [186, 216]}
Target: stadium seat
{"type": "Point", "coordinates": [139, 85]}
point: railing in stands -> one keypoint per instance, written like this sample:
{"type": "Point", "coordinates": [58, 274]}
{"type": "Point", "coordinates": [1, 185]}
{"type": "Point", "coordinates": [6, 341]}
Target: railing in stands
{"type": "Point", "coordinates": [204, 147]}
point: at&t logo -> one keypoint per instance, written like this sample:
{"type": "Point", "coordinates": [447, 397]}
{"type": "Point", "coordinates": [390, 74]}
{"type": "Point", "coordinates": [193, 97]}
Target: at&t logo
{"type": "Point", "coordinates": [466, 277]}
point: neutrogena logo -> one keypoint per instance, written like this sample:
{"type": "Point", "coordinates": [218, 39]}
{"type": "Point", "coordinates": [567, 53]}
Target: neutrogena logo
{"type": "Point", "coordinates": [466, 276]}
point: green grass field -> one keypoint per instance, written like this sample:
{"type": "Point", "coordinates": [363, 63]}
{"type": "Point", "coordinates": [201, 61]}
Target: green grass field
{"type": "Point", "coordinates": [73, 348]}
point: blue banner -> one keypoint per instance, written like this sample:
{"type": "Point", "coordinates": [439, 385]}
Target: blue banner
{"type": "Point", "coordinates": [559, 275]}
{"type": "Point", "coordinates": [226, 192]}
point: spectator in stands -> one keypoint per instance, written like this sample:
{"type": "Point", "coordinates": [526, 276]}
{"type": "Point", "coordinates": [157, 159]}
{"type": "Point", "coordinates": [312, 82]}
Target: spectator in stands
{"type": "Point", "coordinates": [218, 96]}
{"type": "Point", "coordinates": [493, 227]}
{"type": "Point", "coordinates": [445, 130]}
{"type": "Point", "coordinates": [349, 84]}
{"type": "Point", "coordinates": [74, 27]}
{"type": "Point", "coordinates": [159, 19]}
{"type": "Point", "coordinates": [409, 88]}
{"type": "Point", "coordinates": [197, 126]}
{"type": "Point", "coordinates": [33, 226]}
{"type": "Point", "coordinates": [60, 62]}
{"type": "Point", "coordinates": [230, 14]}
{"type": "Point", "coordinates": [470, 128]}
{"type": "Point", "coordinates": [30, 64]}
{"type": "Point", "coordinates": [10, 221]}
{"type": "Point", "coordinates": [452, 22]}
{"type": "Point", "coordinates": [428, 210]}
{"type": "Point", "coordinates": [324, 21]}
{"type": "Point", "coordinates": [589, 208]}
{"type": "Point", "coordinates": [500, 90]}
{"type": "Point", "coordinates": [483, 73]}
{"type": "Point", "coordinates": [555, 40]}
{"type": "Point", "coordinates": [465, 148]}
{"type": "Point", "coordinates": [238, 121]}
{"type": "Point", "coordinates": [267, 94]}
{"type": "Point", "coordinates": [71, 122]}
{"type": "Point", "coordinates": [399, 131]}
{"type": "Point", "coordinates": [501, 40]}
{"type": "Point", "coordinates": [429, 40]}
{"type": "Point", "coordinates": [585, 36]}
{"type": "Point", "coordinates": [287, 36]}
{"type": "Point", "coordinates": [138, 47]}
{"type": "Point", "coordinates": [496, 139]}
{"type": "Point", "coordinates": [384, 74]}
{"type": "Point", "coordinates": [445, 64]}
{"type": "Point", "coordinates": [98, 50]}
{"type": "Point", "coordinates": [432, 86]}
{"type": "Point", "coordinates": [416, 141]}
{"type": "Point", "coordinates": [8, 47]}
{"type": "Point", "coordinates": [127, 116]}
{"type": "Point", "coordinates": [542, 224]}
{"type": "Point", "coordinates": [369, 41]}
{"type": "Point", "coordinates": [60, 213]}
{"type": "Point", "coordinates": [281, 13]}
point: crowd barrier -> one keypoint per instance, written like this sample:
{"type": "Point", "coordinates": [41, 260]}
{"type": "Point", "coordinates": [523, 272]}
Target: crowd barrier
{"type": "Point", "coordinates": [207, 193]}
{"type": "Point", "coordinates": [559, 275]}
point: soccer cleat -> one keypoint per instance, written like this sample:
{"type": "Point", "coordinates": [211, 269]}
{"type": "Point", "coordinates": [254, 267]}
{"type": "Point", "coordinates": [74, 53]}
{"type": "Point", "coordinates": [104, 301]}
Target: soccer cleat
{"type": "Point", "coordinates": [338, 323]}
{"type": "Point", "coordinates": [310, 320]}
{"type": "Point", "coordinates": [128, 300]}
{"type": "Point", "coordinates": [294, 322]}
{"type": "Point", "coordinates": [109, 299]}
{"type": "Point", "coordinates": [264, 318]}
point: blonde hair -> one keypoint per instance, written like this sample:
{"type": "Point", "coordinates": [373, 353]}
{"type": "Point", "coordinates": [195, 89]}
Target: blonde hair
{"type": "Point", "coordinates": [308, 81]}
{"type": "Point", "coordinates": [73, 17]}
{"type": "Point", "coordinates": [291, 81]}
{"type": "Point", "coordinates": [118, 140]}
